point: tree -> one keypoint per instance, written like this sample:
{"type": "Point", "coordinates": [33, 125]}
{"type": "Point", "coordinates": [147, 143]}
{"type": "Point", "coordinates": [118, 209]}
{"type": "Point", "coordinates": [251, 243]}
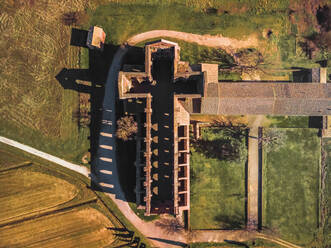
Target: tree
{"type": "Point", "coordinates": [126, 128]}
{"type": "Point", "coordinates": [273, 139]}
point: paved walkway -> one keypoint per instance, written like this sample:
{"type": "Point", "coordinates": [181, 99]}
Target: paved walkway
{"type": "Point", "coordinates": [253, 175]}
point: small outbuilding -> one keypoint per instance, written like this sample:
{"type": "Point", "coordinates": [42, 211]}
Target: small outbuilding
{"type": "Point", "coordinates": [96, 38]}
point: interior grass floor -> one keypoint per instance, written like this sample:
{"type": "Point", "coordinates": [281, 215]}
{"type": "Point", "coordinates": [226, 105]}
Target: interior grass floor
{"type": "Point", "coordinates": [291, 186]}
{"type": "Point", "coordinates": [217, 185]}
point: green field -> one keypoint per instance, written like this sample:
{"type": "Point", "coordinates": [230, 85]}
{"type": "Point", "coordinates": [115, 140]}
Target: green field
{"type": "Point", "coordinates": [291, 187]}
{"type": "Point", "coordinates": [218, 180]}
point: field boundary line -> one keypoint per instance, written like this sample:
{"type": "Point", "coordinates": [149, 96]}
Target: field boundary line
{"type": "Point", "coordinates": [17, 166]}
{"type": "Point", "coordinates": [78, 168]}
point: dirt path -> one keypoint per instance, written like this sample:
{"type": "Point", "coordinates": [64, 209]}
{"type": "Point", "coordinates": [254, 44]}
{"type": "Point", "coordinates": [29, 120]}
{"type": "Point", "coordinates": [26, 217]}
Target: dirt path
{"type": "Point", "coordinates": [218, 236]}
{"type": "Point", "coordinates": [253, 174]}
{"type": "Point", "coordinates": [276, 240]}
{"type": "Point", "coordinates": [218, 41]}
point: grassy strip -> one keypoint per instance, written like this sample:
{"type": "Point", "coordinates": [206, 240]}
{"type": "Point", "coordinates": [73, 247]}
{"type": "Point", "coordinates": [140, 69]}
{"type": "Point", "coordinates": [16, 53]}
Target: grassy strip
{"type": "Point", "coordinates": [141, 213]}
{"type": "Point", "coordinates": [218, 180]}
{"type": "Point", "coordinates": [15, 166]}
{"type": "Point", "coordinates": [123, 20]}
{"type": "Point", "coordinates": [327, 192]}
{"type": "Point", "coordinates": [7, 161]}
{"type": "Point", "coordinates": [291, 187]}
{"type": "Point", "coordinates": [288, 121]}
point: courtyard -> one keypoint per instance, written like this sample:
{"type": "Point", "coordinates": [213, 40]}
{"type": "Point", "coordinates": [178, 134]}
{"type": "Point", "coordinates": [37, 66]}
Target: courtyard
{"type": "Point", "coordinates": [291, 186]}
{"type": "Point", "coordinates": [218, 179]}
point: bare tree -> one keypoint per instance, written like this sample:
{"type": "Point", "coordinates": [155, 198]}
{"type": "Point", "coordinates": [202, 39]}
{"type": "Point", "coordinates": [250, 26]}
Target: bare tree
{"type": "Point", "coordinates": [273, 139]}
{"type": "Point", "coordinates": [171, 226]}
{"type": "Point", "coordinates": [126, 128]}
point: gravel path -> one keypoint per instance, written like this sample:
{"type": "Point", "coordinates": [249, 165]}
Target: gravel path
{"type": "Point", "coordinates": [253, 174]}
{"type": "Point", "coordinates": [218, 41]}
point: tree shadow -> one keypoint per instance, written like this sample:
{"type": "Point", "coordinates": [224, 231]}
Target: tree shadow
{"type": "Point", "coordinates": [302, 75]}
{"type": "Point", "coordinates": [127, 237]}
{"type": "Point", "coordinates": [233, 242]}
{"type": "Point", "coordinates": [230, 222]}
{"type": "Point", "coordinates": [225, 148]}
{"type": "Point", "coordinates": [78, 37]}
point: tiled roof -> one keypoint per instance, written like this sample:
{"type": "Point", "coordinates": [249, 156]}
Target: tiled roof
{"type": "Point", "coordinates": [267, 98]}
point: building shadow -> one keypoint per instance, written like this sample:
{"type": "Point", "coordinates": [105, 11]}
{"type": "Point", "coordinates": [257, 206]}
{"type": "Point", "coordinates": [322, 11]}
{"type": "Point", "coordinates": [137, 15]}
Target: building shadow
{"type": "Point", "coordinates": [78, 37]}
{"type": "Point", "coordinates": [92, 81]}
{"type": "Point", "coordinates": [315, 122]}
{"type": "Point", "coordinates": [260, 173]}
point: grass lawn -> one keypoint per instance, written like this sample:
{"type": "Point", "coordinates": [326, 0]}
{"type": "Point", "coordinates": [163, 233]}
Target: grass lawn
{"type": "Point", "coordinates": [291, 187]}
{"type": "Point", "coordinates": [236, 19]}
{"type": "Point", "coordinates": [288, 121]}
{"type": "Point", "coordinates": [124, 19]}
{"type": "Point", "coordinates": [218, 181]}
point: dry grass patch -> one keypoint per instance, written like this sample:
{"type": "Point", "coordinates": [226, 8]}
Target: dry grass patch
{"type": "Point", "coordinates": [26, 192]}
{"type": "Point", "coordinates": [7, 160]}
{"type": "Point", "coordinates": [34, 107]}
{"type": "Point", "coordinates": [76, 228]}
